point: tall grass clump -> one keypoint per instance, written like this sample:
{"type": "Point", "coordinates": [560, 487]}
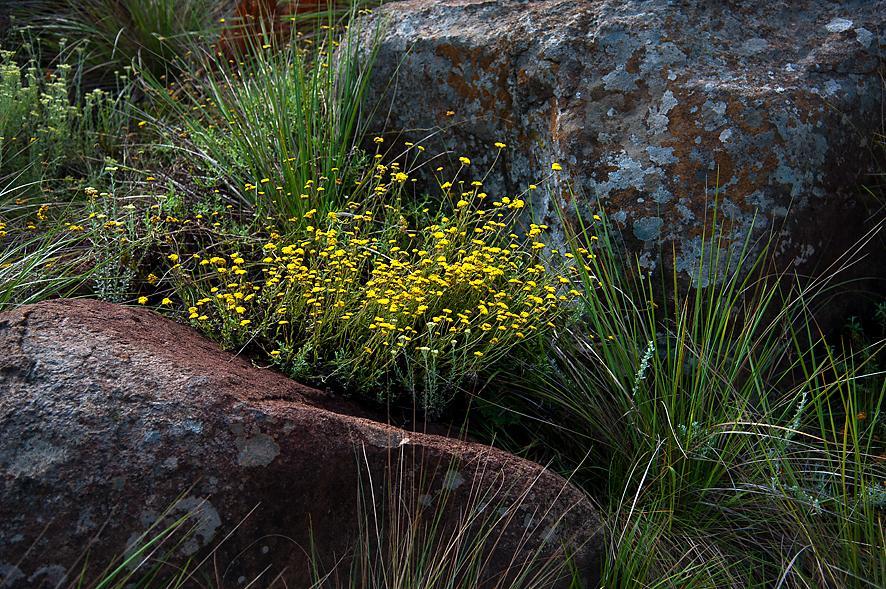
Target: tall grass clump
{"type": "Point", "coordinates": [417, 529]}
{"type": "Point", "coordinates": [279, 127]}
{"type": "Point", "coordinates": [112, 35]}
{"type": "Point", "coordinates": [731, 446]}
{"type": "Point", "coordinates": [39, 267]}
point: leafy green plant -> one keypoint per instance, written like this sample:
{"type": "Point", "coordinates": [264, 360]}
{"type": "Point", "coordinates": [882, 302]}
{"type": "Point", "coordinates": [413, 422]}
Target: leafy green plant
{"type": "Point", "coordinates": [278, 127]}
{"type": "Point", "coordinates": [112, 35]}
{"type": "Point", "coordinates": [42, 132]}
{"type": "Point", "coordinates": [731, 453]}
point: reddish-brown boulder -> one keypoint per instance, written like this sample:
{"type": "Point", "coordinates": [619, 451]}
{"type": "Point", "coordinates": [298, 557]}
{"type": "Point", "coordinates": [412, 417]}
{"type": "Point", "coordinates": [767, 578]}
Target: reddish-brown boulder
{"type": "Point", "coordinates": [111, 415]}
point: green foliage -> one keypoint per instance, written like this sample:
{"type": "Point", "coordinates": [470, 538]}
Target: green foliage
{"type": "Point", "coordinates": [41, 131]}
{"type": "Point", "coordinates": [729, 450]}
{"type": "Point", "coordinates": [114, 34]}
{"type": "Point", "coordinates": [274, 124]}
{"type": "Point", "coordinates": [49, 128]}
{"type": "Point", "coordinates": [39, 267]}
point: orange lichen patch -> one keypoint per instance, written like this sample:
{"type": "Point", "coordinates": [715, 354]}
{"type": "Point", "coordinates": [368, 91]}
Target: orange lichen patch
{"type": "Point", "coordinates": [450, 52]}
{"type": "Point", "coordinates": [494, 99]}
{"type": "Point", "coordinates": [743, 177]}
{"type": "Point", "coordinates": [633, 63]}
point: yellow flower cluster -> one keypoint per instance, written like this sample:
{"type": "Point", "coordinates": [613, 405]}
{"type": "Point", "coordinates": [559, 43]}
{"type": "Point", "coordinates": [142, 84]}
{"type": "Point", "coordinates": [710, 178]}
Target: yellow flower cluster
{"type": "Point", "coordinates": [363, 292]}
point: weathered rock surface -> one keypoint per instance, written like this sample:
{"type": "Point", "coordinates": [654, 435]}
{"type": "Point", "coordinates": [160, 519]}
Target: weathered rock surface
{"type": "Point", "coordinates": [111, 416]}
{"type": "Point", "coordinates": [648, 103]}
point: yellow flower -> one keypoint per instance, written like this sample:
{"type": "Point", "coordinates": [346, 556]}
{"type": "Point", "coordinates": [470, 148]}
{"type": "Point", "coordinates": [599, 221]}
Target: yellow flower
{"type": "Point", "coordinates": [166, 301]}
{"type": "Point", "coordinates": [142, 300]}
{"type": "Point", "coordinates": [556, 167]}
{"type": "Point", "coordinates": [465, 161]}
{"type": "Point", "coordinates": [500, 145]}
{"type": "Point", "coordinates": [245, 322]}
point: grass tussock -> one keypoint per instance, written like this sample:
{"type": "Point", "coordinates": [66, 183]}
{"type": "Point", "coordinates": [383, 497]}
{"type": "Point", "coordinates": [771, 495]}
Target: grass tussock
{"type": "Point", "coordinates": [732, 445]}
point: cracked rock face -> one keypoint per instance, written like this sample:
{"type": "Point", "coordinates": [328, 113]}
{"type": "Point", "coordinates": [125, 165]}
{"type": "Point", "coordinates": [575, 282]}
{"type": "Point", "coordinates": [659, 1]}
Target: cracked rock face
{"type": "Point", "coordinates": [648, 105]}
{"type": "Point", "coordinates": [113, 419]}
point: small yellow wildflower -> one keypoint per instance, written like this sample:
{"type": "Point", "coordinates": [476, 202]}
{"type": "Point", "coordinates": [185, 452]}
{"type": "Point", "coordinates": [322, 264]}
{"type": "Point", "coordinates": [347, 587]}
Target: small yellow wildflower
{"type": "Point", "coordinates": [142, 300]}
{"type": "Point", "coordinates": [556, 167]}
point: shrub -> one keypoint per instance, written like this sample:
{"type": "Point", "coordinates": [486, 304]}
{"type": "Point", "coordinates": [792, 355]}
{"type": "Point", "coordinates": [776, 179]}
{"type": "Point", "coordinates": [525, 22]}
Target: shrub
{"type": "Point", "coordinates": [48, 128]}
{"type": "Point", "coordinates": [371, 301]}
{"type": "Point", "coordinates": [42, 132]}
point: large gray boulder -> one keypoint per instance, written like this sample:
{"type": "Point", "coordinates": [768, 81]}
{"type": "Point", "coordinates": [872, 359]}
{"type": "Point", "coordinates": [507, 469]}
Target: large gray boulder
{"type": "Point", "coordinates": [113, 418]}
{"type": "Point", "coordinates": [650, 105]}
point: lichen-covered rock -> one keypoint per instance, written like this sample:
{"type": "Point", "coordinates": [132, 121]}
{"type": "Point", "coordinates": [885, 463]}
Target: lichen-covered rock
{"type": "Point", "coordinates": [650, 105]}
{"type": "Point", "coordinates": [112, 418]}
